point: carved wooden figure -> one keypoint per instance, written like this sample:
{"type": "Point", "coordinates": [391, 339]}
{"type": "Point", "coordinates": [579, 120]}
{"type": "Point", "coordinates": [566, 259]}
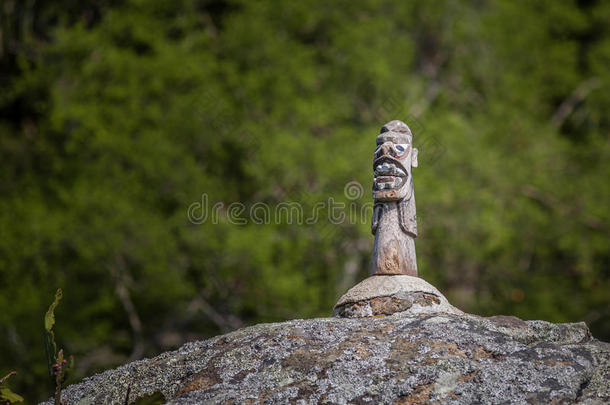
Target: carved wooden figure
{"type": "Point", "coordinates": [394, 220]}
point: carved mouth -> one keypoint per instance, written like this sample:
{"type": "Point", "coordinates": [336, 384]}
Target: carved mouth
{"type": "Point", "coordinates": [389, 174]}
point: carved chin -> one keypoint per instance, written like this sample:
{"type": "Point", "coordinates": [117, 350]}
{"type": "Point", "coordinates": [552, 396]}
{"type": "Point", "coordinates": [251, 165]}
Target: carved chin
{"type": "Point", "coordinates": [390, 189]}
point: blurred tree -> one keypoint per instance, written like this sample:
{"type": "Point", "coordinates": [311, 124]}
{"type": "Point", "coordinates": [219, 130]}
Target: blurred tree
{"type": "Point", "coordinates": [115, 117]}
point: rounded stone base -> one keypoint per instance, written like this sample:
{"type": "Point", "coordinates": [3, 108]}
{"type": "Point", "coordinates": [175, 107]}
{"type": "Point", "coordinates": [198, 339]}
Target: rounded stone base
{"type": "Point", "coordinates": [388, 294]}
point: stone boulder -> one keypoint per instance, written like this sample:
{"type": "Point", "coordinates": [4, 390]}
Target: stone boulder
{"type": "Point", "coordinates": [389, 294]}
{"type": "Point", "coordinates": [404, 358]}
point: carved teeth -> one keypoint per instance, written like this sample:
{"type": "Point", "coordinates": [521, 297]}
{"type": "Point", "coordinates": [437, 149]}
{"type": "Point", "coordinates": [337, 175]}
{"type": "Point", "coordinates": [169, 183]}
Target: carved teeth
{"type": "Point", "coordinates": [388, 182]}
{"type": "Point", "coordinates": [388, 169]}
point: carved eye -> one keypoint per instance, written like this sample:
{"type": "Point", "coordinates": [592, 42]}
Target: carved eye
{"type": "Point", "coordinates": [400, 149]}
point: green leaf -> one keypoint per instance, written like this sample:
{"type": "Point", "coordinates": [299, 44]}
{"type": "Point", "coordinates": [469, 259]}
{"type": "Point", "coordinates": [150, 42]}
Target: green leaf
{"type": "Point", "coordinates": [70, 364]}
{"type": "Point", "coordinates": [50, 350]}
{"type": "Point", "coordinates": [10, 396]}
{"type": "Point", "coordinates": [49, 318]}
{"type": "Point", "coordinates": [49, 335]}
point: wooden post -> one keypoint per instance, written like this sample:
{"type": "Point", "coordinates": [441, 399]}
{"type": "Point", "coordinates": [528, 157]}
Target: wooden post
{"type": "Point", "coordinates": [394, 221]}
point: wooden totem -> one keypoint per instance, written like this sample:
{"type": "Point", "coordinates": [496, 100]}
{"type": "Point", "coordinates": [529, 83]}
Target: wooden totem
{"type": "Point", "coordinates": [394, 221]}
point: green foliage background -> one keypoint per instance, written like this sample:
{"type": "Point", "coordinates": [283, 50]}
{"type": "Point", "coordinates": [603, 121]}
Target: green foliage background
{"type": "Point", "coordinates": [116, 116]}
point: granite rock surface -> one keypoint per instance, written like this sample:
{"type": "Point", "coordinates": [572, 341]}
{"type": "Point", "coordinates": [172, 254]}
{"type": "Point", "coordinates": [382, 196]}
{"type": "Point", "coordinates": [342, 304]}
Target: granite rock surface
{"type": "Point", "coordinates": [399, 359]}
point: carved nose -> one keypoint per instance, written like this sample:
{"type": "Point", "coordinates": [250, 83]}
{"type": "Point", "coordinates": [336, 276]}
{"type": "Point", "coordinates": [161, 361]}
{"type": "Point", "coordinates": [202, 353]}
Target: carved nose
{"type": "Point", "coordinates": [387, 149]}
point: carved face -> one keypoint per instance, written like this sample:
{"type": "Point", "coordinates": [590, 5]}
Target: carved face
{"type": "Point", "coordinates": [394, 158]}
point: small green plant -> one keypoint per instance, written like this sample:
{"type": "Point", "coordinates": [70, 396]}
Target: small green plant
{"type": "Point", "coordinates": [6, 395]}
{"type": "Point", "coordinates": [56, 362]}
